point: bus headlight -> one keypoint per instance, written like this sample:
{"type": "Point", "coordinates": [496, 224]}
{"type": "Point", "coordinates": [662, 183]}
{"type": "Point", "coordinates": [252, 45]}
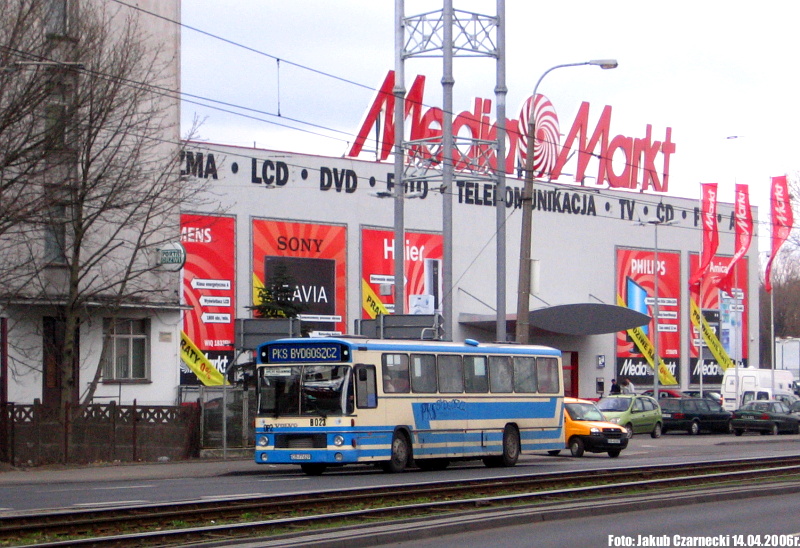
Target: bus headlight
{"type": "Point", "coordinates": [338, 440]}
{"type": "Point", "coordinates": [263, 441]}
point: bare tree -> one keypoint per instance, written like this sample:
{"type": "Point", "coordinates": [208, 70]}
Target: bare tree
{"type": "Point", "coordinates": [29, 78]}
{"type": "Point", "coordinates": [785, 299]}
{"type": "Point", "coordinates": [111, 184]}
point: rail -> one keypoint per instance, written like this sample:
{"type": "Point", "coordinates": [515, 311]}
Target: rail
{"type": "Point", "coordinates": [237, 517]}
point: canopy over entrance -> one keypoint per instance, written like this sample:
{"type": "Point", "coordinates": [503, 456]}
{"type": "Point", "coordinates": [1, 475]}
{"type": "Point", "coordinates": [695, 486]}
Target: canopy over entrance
{"type": "Point", "coordinates": [568, 319]}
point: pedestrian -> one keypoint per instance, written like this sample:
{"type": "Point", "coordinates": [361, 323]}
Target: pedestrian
{"type": "Point", "coordinates": [614, 387]}
{"type": "Point", "coordinates": [627, 386]}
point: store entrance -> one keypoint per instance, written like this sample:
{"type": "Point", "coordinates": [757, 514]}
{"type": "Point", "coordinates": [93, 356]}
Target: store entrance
{"type": "Point", "coordinates": [569, 361]}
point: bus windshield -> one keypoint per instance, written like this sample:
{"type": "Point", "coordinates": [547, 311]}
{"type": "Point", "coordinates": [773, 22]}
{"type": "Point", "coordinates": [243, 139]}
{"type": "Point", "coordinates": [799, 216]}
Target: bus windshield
{"type": "Point", "coordinates": [319, 390]}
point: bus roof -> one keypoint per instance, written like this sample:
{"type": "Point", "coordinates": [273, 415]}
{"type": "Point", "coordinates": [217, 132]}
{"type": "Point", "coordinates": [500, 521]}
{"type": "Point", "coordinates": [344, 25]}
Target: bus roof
{"type": "Point", "coordinates": [411, 345]}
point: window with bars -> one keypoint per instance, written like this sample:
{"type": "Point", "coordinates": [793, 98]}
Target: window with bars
{"type": "Point", "coordinates": [125, 349]}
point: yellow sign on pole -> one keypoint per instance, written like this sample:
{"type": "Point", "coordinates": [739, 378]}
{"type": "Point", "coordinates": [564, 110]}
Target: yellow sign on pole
{"type": "Point", "coordinates": [371, 302]}
{"type": "Point", "coordinates": [645, 346]}
{"type": "Point", "coordinates": [199, 364]}
{"type": "Point", "coordinates": [710, 338]}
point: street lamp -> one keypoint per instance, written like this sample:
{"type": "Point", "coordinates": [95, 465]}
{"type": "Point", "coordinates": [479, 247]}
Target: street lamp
{"type": "Point", "coordinates": [655, 221]}
{"type": "Point", "coordinates": [524, 285]}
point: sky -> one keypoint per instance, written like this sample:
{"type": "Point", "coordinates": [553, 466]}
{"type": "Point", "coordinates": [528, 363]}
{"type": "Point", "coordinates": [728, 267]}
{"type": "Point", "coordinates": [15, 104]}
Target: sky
{"type": "Point", "coordinates": [710, 70]}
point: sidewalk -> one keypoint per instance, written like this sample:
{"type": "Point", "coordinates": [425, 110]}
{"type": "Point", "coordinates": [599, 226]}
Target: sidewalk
{"type": "Point", "coordinates": [236, 463]}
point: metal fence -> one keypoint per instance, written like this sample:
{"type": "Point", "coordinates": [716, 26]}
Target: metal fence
{"type": "Point", "coordinates": [226, 415]}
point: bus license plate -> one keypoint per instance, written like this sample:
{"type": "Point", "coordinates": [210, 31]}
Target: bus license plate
{"type": "Point", "coordinates": [300, 456]}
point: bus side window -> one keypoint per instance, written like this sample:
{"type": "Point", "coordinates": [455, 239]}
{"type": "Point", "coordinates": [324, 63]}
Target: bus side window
{"type": "Point", "coordinates": [501, 374]}
{"type": "Point", "coordinates": [547, 375]}
{"type": "Point", "coordinates": [423, 373]}
{"type": "Point", "coordinates": [395, 373]}
{"type": "Point", "coordinates": [524, 374]}
{"type": "Point", "coordinates": [476, 377]}
{"type": "Point", "coordinates": [451, 375]}
{"type": "Point", "coordinates": [366, 386]}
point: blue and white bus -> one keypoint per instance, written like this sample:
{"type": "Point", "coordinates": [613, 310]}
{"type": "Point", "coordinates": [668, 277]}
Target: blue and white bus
{"type": "Point", "coordinates": [332, 401]}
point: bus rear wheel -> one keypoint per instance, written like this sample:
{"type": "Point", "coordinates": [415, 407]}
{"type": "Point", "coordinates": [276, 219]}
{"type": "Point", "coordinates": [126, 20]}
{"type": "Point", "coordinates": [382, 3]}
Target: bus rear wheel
{"type": "Point", "coordinates": [313, 468]}
{"type": "Point", "coordinates": [400, 454]}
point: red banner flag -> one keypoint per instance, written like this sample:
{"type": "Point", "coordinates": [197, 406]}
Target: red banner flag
{"type": "Point", "coordinates": [744, 234]}
{"type": "Point", "coordinates": [782, 220]}
{"type": "Point", "coordinates": [710, 234]}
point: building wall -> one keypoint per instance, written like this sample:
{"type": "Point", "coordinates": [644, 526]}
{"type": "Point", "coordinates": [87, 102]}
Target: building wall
{"type": "Point", "coordinates": [161, 307]}
{"type": "Point", "coordinates": [577, 232]}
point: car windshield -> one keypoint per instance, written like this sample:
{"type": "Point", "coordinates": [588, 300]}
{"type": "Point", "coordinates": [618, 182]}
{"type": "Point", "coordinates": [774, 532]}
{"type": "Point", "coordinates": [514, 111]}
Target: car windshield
{"type": "Point", "coordinates": [310, 390]}
{"type": "Point", "coordinates": [584, 412]}
{"type": "Point", "coordinates": [614, 404]}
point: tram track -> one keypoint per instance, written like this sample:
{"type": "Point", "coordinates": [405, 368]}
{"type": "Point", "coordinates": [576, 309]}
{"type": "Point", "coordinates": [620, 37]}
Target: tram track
{"type": "Point", "coordinates": [226, 518]}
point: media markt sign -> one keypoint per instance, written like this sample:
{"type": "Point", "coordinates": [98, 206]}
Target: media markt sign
{"type": "Point", "coordinates": [172, 256]}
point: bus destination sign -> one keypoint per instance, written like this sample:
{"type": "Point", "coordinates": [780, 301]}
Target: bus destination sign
{"type": "Point", "coordinates": [304, 353]}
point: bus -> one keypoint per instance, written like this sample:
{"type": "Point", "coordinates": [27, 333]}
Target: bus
{"type": "Point", "coordinates": [325, 402]}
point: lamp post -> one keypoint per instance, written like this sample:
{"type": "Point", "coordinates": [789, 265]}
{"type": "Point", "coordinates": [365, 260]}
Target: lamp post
{"type": "Point", "coordinates": [524, 284]}
{"type": "Point", "coordinates": [655, 221]}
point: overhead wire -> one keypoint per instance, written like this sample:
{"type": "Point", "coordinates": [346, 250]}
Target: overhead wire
{"type": "Point", "coordinates": [226, 107]}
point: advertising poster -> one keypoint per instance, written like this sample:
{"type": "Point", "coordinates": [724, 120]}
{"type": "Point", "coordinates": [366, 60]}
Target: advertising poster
{"type": "Point", "coordinates": [722, 332]}
{"type": "Point", "coordinates": [636, 288]}
{"type": "Point", "coordinates": [423, 270]}
{"type": "Point", "coordinates": [314, 258]}
{"type": "Point", "coordinates": [209, 279]}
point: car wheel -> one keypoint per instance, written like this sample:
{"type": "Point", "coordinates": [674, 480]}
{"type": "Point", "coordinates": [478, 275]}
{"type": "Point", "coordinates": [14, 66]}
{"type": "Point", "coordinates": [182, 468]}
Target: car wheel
{"type": "Point", "coordinates": [576, 446]}
{"type": "Point", "coordinates": [694, 428]}
{"type": "Point", "coordinates": [614, 453]}
{"type": "Point", "coordinates": [656, 433]}
{"type": "Point", "coordinates": [730, 427]}
{"type": "Point", "coordinates": [400, 453]}
{"type": "Point", "coordinates": [629, 429]}
{"type": "Point", "coordinates": [775, 430]}
{"type": "Point", "coordinates": [738, 431]}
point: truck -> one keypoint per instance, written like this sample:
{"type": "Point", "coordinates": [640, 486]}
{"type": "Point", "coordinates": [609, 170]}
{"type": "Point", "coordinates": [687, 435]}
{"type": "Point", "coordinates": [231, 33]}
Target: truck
{"type": "Point", "coordinates": [740, 385]}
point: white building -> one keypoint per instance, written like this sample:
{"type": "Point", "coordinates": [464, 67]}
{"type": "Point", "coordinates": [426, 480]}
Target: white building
{"type": "Point", "coordinates": [127, 336]}
{"type": "Point", "coordinates": [321, 218]}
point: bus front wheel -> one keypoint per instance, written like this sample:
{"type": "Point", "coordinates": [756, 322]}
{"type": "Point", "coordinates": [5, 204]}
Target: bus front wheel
{"type": "Point", "coordinates": [400, 454]}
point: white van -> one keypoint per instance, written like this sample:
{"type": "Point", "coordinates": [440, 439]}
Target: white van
{"type": "Point", "coordinates": [754, 384]}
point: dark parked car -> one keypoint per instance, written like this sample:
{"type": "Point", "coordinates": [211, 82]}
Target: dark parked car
{"type": "Point", "coordinates": [710, 394]}
{"type": "Point", "coordinates": [663, 393]}
{"type": "Point", "coordinates": [693, 415]}
{"type": "Point", "coordinates": [767, 417]}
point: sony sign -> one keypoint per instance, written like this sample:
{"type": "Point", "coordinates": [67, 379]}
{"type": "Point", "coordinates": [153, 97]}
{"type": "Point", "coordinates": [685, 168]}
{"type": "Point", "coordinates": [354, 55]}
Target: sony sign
{"type": "Point", "coordinates": [641, 162]}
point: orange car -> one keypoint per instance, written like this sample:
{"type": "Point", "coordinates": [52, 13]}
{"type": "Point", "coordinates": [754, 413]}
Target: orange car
{"type": "Point", "coordinates": [586, 429]}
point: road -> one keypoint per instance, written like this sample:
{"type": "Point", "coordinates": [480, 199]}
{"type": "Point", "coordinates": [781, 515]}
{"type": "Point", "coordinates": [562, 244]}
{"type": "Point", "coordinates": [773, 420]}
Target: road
{"type": "Point", "coordinates": [764, 521]}
{"type": "Point", "coordinates": [100, 486]}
